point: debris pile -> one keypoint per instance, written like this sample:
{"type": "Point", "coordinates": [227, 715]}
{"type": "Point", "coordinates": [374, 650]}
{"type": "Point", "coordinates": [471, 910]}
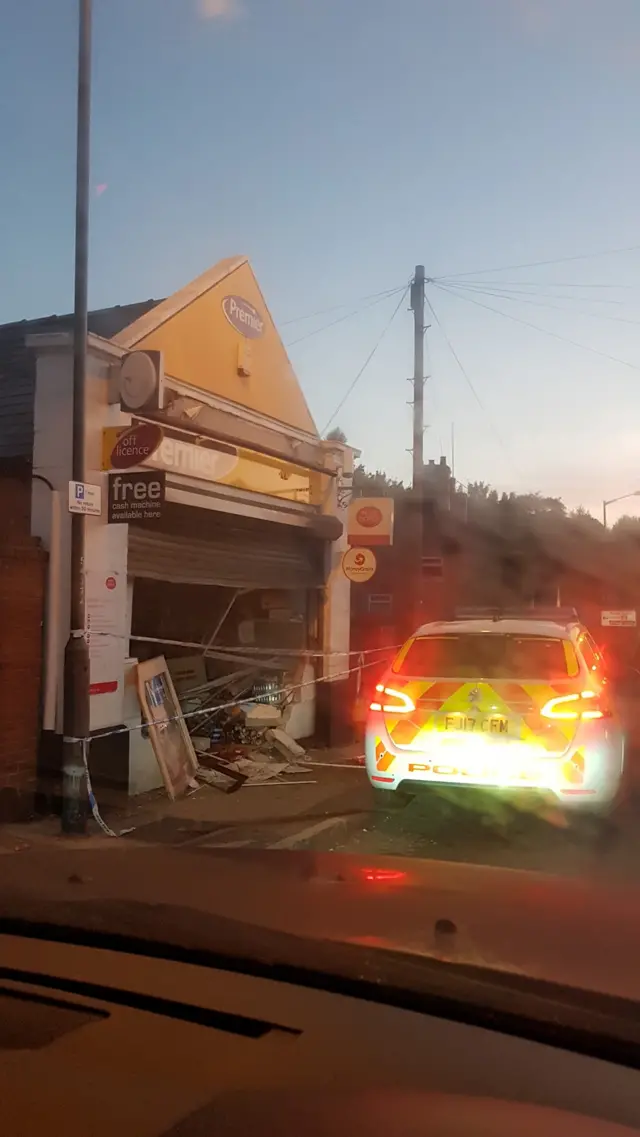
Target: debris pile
{"type": "Point", "coordinates": [232, 732]}
{"type": "Point", "coordinates": [267, 759]}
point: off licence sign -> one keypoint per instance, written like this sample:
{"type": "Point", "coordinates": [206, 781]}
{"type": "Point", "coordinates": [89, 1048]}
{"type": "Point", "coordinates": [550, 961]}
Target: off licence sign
{"type": "Point", "coordinates": [129, 446]}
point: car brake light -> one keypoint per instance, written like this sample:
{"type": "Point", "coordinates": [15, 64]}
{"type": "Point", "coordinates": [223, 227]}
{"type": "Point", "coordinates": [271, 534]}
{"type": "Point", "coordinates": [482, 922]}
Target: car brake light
{"type": "Point", "coordinates": [402, 706]}
{"type": "Point", "coordinates": [383, 876]}
{"type": "Point", "coordinates": [582, 706]}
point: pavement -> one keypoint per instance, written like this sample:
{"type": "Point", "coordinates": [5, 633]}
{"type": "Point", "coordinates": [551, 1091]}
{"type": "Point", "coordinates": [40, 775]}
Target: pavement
{"type": "Point", "coordinates": [284, 814]}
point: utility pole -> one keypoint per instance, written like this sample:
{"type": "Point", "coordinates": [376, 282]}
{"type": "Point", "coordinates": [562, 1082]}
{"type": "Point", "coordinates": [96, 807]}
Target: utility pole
{"type": "Point", "coordinates": [417, 306]}
{"type": "Point", "coordinates": [76, 656]}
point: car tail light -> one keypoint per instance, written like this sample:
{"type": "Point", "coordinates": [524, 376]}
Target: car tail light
{"type": "Point", "coordinates": [585, 705]}
{"type": "Point", "coordinates": [393, 702]}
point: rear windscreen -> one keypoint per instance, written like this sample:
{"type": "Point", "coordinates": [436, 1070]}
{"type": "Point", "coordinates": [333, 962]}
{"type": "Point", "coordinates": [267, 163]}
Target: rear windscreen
{"type": "Point", "coordinates": [487, 655]}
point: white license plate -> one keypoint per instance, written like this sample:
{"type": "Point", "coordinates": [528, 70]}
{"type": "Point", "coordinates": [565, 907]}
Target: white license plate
{"type": "Point", "coordinates": [494, 725]}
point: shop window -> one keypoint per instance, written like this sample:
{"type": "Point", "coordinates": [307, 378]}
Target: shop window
{"type": "Point", "coordinates": [433, 568]}
{"type": "Point", "coordinates": [379, 603]}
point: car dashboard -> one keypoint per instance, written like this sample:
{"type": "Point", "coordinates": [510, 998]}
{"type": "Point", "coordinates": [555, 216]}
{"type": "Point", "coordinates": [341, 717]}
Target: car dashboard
{"type": "Point", "coordinates": [100, 1042]}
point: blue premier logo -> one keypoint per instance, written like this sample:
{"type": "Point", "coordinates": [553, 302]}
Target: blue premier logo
{"type": "Point", "coordinates": [243, 317]}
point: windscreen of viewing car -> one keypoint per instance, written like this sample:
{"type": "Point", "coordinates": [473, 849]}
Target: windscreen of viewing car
{"type": "Point", "coordinates": [488, 655]}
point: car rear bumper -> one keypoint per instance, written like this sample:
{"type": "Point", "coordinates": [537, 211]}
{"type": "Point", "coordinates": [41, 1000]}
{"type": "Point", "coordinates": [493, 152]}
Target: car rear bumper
{"type": "Point", "coordinates": [586, 776]}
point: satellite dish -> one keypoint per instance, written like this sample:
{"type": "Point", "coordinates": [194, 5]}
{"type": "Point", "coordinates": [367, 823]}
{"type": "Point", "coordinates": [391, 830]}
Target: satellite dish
{"type": "Point", "coordinates": [139, 381]}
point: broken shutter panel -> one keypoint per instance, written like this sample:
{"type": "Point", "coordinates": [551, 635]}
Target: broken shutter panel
{"type": "Point", "coordinates": [237, 560]}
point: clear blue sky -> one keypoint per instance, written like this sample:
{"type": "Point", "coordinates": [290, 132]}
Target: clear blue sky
{"type": "Point", "coordinates": [337, 143]}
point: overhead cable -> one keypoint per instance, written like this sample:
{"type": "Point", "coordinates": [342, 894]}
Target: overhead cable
{"type": "Point", "coordinates": [348, 316]}
{"type": "Point", "coordinates": [538, 293]}
{"type": "Point", "coordinates": [367, 361]}
{"type": "Point", "coordinates": [516, 298]}
{"type": "Point", "coordinates": [541, 264]}
{"type": "Point", "coordinates": [338, 307]}
{"type": "Point", "coordinates": [539, 328]}
{"type": "Point", "coordinates": [471, 385]}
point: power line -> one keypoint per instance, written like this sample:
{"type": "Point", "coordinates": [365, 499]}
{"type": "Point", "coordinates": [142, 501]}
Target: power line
{"type": "Point", "coordinates": [338, 307]}
{"type": "Point", "coordinates": [341, 319]}
{"type": "Point", "coordinates": [517, 298]}
{"type": "Point", "coordinates": [538, 328]}
{"type": "Point", "coordinates": [532, 283]}
{"type": "Point", "coordinates": [540, 264]}
{"type": "Point", "coordinates": [471, 385]}
{"type": "Point", "coordinates": [367, 361]}
{"type": "Point", "coordinates": [536, 292]}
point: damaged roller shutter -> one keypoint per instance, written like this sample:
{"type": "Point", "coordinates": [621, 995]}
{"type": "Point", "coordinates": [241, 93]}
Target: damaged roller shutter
{"type": "Point", "coordinates": [236, 559]}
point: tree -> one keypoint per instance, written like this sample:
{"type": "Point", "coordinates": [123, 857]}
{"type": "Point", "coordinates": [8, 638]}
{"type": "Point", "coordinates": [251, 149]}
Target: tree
{"type": "Point", "coordinates": [481, 491]}
{"type": "Point", "coordinates": [535, 504]}
{"type": "Point", "coordinates": [627, 528]}
{"type": "Point", "coordinates": [367, 484]}
{"type": "Point", "coordinates": [584, 522]}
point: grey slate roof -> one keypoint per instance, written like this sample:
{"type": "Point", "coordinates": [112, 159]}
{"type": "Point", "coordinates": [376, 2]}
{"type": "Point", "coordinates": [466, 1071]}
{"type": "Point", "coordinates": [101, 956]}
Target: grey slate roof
{"type": "Point", "coordinates": [17, 368]}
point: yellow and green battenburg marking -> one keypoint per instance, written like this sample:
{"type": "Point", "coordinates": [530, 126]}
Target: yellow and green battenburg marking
{"type": "Point", "coordinates": [441, 697]}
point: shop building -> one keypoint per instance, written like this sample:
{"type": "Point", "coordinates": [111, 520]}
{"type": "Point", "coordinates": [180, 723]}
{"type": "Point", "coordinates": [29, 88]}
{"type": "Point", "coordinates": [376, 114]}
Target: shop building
{"type": "Point", "coordinates": [246, 551]}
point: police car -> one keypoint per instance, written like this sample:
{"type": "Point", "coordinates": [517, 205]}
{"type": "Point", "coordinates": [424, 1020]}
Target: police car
{"type": "Point", "coordinates": [508, 702]}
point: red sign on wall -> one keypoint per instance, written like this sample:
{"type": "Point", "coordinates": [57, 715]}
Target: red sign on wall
{"type": "Point", "coordinates": [370, 522]}
{"type": "Point", "coordinates": [126, 447]}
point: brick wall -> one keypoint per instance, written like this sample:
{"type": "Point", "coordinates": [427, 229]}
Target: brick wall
{"type": "Point", "coordinates": [15, 505]}
{"type": "Point", "coordinates": [22, 593]}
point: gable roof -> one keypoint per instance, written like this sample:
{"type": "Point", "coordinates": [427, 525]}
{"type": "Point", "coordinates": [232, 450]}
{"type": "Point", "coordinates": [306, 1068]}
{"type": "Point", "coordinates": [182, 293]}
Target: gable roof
{"type": "Point", "coordinates": [217, 335]}
{"type": "Point", "coordinates": [163, 310]}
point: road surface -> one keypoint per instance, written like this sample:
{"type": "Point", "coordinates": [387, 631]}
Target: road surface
{"type": "Point", "coordinates": [438, 829]}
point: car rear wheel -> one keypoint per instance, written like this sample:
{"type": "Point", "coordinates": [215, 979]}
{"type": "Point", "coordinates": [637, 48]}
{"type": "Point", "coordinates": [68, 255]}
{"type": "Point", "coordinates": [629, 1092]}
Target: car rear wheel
{"type": "Point", "coordinates": [390, 801]}
{"type": "Point", "coordinates": [598, 831]}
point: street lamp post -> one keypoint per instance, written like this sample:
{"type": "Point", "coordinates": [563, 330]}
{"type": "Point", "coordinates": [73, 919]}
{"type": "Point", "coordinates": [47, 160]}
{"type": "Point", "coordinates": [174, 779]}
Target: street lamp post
{"type": "Point", "coordinates": [613, 500]}
{"type": "Point", "coordinates": [76, 656]}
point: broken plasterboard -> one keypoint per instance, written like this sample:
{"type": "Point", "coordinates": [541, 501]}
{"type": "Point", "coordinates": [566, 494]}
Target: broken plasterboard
{"type": "Point", "coordinates": [257, 716]}
{"type": "Point", "coordinates": [187, 672]}
{"type": "Point", "coordinates": [285, 744]}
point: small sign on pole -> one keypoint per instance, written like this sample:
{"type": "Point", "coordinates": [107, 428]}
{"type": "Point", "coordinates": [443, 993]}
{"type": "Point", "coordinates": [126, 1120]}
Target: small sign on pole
{"type": "Point", "coordinates": [618, 618]}
{"type": "Point", "coordinates": [84, 498]}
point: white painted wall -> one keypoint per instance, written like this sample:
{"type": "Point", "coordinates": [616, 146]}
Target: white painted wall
{"type": "Point", "coordinates": [105, 564]}
{"type": "Point", "coordinates": [52, 460]}
{"type": "Point", "coordinates": [105, 545]}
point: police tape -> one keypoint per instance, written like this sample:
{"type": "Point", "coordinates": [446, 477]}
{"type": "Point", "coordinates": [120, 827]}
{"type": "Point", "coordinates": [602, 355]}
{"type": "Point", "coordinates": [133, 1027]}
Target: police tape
{"type": "Point", "coordinates": [211, 710]}
{"type": "Point", "coordinates": [93, 805]}
{"type": "Point", "coordinates": [248, 649]}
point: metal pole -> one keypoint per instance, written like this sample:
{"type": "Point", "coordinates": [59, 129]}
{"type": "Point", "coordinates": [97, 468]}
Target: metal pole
{"type": "Point", "coordinates": [76, 657]}
{"type": "Point", "coordinates": [604, 513]}
{"type": "Point", "coordinates": [417, 305]}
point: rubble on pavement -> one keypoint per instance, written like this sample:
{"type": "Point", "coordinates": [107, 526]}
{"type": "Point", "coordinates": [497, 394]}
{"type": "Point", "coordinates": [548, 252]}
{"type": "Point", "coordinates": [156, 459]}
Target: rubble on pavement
{"type": "Point", "coordinates": [236, 722]}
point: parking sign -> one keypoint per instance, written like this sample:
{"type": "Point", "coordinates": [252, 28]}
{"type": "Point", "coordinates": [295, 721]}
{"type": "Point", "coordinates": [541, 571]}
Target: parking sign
{"type": "Point", "coordinates": [84, 498]}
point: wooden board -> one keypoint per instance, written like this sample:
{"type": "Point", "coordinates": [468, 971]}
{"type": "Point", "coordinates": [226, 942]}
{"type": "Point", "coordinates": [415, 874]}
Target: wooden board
{"type": "Point", "coordinates": [167, 729]}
